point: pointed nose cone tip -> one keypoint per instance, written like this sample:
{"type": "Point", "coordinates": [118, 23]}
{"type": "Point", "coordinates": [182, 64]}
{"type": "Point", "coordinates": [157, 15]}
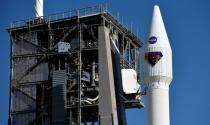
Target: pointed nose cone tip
{"type": "Point", "coordinates": [156, 11]}
{"type": "Point", "coordinates": [156, 8]}
{"type": "Point", "coordinates": [157, 33]}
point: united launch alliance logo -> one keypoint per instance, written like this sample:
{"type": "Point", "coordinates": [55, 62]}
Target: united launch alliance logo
{"type": "Point", "coordinates": [153, 57]}
{"type": "Point", "coordinates": [152, 39]}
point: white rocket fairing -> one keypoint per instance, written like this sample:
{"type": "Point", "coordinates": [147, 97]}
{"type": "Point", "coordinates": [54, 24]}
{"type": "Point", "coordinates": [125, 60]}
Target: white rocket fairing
{"type": "Point", "coordinates": [157, 71]}
{"type": "Point", "coordinates": [38, 6]}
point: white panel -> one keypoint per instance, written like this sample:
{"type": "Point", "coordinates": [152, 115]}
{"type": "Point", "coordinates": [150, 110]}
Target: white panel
{"type": "Point", "coordinates": [129, 80]}
{"type": "Point", "coordinates": [63, 47]}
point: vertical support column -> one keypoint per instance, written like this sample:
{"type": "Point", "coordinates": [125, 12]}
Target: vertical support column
{"type": "Point", "coordinates": [11, 75]}
{"type": "Point", "coordinates": [118, 85]}
{"type": "Point", "coordinates": [107, 98]}
{"type": "Point", "coordinates": [79, 118]}
{"type": "Point", "coordinates": [129, 52]}
{"type": "Point", "coordinates": [50, 42]}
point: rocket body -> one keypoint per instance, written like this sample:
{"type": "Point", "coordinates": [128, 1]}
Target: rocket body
{"type": "Point", "coordinates": [157, 71]}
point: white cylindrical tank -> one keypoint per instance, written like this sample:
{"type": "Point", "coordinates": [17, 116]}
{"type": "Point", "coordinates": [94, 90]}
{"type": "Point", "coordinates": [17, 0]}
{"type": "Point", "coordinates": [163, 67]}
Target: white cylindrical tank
{"type": "Point", "coordinates": [157, 71]}
{"type": "Point", "coordinates": [38, 7]}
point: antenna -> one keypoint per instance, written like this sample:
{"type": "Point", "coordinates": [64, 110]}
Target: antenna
{"type": "Point", "coordinates": [38, 7]}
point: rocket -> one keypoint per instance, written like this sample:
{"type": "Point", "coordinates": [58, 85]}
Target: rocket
{"type": "Point", "coordinates": [157, 71]}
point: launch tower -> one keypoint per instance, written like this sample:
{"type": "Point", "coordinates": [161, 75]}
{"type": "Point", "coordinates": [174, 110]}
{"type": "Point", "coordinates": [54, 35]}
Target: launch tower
{"type": "Point", "coordinates": [72, 68]}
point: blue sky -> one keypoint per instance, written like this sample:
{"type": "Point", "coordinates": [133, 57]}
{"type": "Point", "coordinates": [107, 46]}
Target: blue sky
{"type": "Point", "coordinates": [188, 26]}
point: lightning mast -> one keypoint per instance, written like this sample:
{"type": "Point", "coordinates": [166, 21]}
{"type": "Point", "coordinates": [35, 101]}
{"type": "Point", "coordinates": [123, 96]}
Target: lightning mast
{"type": "Point", "coordinates": [38, 7]}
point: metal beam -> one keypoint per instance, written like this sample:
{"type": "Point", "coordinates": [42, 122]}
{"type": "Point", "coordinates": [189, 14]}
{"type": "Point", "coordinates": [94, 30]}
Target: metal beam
{"type": "Point", "coordinates": [107, 98]}
{"type": "Point", "coordinates": [118, 84]}
{"type": "Point", "coordinates": [89, 31]}
{"type": "Point", "coordinates": [33, 44]}
{"type": "Point", "coordinates": [14, 82]}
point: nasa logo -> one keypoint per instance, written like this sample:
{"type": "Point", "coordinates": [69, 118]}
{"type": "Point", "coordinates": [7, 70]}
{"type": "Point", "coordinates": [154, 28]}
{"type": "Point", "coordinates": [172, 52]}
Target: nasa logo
{"type": "Point", "coordinates": [152, 39]}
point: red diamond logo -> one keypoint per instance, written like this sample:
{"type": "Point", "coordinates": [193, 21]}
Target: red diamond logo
{"type": "Point", "coordinates": [153, 57]}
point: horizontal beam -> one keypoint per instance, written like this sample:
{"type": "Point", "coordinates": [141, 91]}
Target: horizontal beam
{"type": "Point", "coordinates": [23, 112]}
{"type": "Point", "coordinates": [50, 54]}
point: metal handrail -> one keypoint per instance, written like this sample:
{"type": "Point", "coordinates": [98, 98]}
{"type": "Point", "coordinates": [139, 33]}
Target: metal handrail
{"type": "Point", "coordinates": [58, 16]}
{"type": "Point", "coordinates": [102, 8]}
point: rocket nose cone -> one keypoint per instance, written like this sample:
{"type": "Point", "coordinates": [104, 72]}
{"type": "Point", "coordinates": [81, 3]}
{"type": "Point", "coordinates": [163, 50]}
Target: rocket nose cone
{"type": "Point", "coordinates": [156, 8]}
{"type": "Point", "coordinates": [157, 33]}
{"type": "Point", "coordinates": [157, 64]}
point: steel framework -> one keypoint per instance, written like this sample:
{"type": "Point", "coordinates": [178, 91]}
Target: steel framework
{"type": "Point", "coordinates": [82, 85]}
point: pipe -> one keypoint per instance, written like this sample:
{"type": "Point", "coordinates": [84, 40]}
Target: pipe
{"type": "Point", "coordinates": [86, 101]}
{"type": "Point", "coordinates": [89, 100]}
{"type": "Point", "coordinates": [94, 99]}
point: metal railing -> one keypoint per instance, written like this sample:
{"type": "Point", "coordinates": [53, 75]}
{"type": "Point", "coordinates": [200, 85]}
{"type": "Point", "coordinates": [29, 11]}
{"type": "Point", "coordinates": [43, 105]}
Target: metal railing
{"type": "Point", "coordinates": [102, 8]}
{"type": "Point", "coordinates": [58, 16]}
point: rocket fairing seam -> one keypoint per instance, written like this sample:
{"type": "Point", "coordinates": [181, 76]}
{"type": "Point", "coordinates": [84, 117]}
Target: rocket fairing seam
{"type": "Point", "coordinates": [157, 85]}
{"type": "Point", "coordinates": [162, 64]}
